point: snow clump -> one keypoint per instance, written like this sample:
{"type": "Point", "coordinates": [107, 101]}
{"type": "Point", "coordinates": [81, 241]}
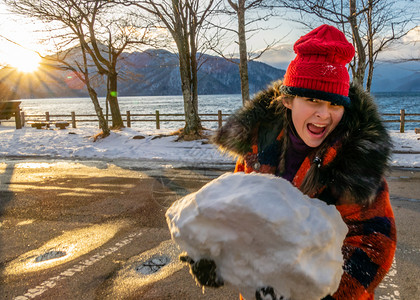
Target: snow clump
{"type": "Point", "coordinates": [262, 231]}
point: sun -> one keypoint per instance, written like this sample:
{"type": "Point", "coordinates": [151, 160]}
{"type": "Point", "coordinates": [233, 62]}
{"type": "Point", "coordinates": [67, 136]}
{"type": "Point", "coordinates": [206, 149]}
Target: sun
{"type": "Point", "coordinates": [24, 60]}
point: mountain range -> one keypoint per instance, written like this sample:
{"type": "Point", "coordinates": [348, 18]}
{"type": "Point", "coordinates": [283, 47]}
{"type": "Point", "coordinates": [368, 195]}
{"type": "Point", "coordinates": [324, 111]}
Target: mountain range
{"type": "Point", "coordinates": [155, 72]}
{"type": "Point", "coordinates": [396, 77]}
{"type": "Point", "coordinates": [149, 73]}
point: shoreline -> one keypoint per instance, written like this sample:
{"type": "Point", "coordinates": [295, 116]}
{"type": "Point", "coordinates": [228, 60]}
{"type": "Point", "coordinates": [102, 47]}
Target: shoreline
{"type": "Point", "coordinates": [142, 147]}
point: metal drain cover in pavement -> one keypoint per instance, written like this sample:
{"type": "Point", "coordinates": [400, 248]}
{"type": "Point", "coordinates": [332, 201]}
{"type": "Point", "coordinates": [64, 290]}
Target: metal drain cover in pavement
{"type": "Point", "coordinates": [50, 255]}
{"type": "Point", "coordinates": [153, 265]}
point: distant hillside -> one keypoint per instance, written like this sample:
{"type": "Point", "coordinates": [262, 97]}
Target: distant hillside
{"type": "Point", "coordinates": [410, 83]}
{"type": "Point", "coordinates": [159, 71]}
{"type": "Point", "coordinates": [400, 77]}
{"type": "Point", "coordinates": [149, 73]}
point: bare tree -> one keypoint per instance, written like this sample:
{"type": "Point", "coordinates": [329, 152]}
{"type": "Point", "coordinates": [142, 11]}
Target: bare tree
{"type": "Point", "coordinates": [248, 14]}
{"type": "Point", "coordinates": [110, 34]}
{"type": "Point", "coordinates": [81, 70]}
{"type": "Point", "coordinates": [184, 19]}
{"type": "Point", "coordinates": [91, 25]}
{"type": "Point", "coordinates": [372, 25]}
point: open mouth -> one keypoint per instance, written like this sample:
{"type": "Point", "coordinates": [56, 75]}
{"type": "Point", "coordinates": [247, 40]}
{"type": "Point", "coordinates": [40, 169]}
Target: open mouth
{"type": "Point", "coordinates": [316, 129]}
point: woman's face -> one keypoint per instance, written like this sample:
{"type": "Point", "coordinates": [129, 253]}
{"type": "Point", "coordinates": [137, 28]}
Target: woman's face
{"type": "Point", "coordinates": [314, 119]}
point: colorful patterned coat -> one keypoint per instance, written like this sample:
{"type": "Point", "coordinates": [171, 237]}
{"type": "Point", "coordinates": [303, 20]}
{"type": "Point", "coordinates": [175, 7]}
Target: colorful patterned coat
{"type": "Point", "coordinates": [347, 170]}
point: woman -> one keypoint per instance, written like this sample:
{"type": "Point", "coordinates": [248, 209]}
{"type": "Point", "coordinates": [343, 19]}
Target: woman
{"type": "Point", "coordinates": [326, 137]}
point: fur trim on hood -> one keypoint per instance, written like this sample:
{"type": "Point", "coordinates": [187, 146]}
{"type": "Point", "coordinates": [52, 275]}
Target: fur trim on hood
{"type": "Point", "coordinates": [364, 144]}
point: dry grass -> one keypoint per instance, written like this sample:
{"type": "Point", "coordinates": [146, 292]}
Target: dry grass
{"type": "Point", "coordinates": [100, 135]}
{"type": "Point", "coordinates": [200, 135]}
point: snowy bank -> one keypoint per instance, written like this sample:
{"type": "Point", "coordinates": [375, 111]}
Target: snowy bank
{"type": "Point", "coordinates": [78, 143]}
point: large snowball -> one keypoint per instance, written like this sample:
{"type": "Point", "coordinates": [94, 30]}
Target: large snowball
{"type": "Point", "coordinates": [262, 231]}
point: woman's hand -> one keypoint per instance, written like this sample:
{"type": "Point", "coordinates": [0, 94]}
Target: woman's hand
{"type": "Point", "coordinates": [203, 271]}
{"type": "Point", "coordinates": [267, 293]}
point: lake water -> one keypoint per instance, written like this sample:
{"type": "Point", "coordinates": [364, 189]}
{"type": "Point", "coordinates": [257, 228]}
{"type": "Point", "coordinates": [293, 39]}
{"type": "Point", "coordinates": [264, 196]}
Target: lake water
{"type": "Point", "coordinates": [387, 103]}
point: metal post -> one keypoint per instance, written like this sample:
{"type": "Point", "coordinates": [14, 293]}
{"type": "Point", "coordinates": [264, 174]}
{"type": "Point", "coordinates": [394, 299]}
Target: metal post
{"type": "Point", "coordinates": [402, 120]}
{"type": "Point", "coordinates": [157, 120]}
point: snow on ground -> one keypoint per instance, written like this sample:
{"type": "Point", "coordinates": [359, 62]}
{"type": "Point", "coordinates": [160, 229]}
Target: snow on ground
{"type": "Point", "coordinates": [78, 143]}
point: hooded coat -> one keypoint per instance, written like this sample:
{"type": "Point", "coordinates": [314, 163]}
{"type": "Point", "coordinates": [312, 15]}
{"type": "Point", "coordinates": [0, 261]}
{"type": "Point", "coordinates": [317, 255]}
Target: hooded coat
{"type": "Point", "coordinates": [346, 170]}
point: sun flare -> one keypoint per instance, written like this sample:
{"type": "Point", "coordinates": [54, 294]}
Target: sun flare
{"type": "Point", "coordinates": [25, 61]}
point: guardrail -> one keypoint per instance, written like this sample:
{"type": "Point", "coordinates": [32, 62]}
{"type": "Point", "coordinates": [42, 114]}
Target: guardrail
{"type": "Point", "coordinates": [158, 118]}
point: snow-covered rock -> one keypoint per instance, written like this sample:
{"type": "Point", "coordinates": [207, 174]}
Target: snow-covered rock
{"type": "Point", "coordinates": [262, 231]}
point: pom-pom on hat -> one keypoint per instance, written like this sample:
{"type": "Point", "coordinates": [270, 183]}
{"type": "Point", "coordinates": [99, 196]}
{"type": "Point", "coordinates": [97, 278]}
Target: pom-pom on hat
{"type": "Point", "coordinates": [319, 68]}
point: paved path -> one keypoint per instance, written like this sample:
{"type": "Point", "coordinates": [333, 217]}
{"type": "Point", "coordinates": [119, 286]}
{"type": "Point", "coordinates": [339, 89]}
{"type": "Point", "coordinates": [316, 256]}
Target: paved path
{"type": "Point", "coordinates": [105, 224]}
{"type": "Point", "coordinates": [403, 281]}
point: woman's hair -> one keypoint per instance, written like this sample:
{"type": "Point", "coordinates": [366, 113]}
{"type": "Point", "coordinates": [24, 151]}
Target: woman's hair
{"type": "Point", "coordinates": [287, 125]}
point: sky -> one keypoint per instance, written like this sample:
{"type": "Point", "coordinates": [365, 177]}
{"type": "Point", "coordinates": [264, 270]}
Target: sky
{"type": "Point", "coordinates": [14, 30]}
{"type": "Point", "coordinates": [77, 143]}
{"type": "Point", "coordinates": [25, 32]}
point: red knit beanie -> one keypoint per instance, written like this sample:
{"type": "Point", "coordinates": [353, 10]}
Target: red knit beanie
{"type": "Point", "coordinates": [319, 68]}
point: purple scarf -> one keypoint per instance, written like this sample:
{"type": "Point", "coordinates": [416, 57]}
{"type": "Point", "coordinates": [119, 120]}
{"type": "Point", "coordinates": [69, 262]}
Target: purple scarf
{"type": "Point", "coordinates": [295, 155]}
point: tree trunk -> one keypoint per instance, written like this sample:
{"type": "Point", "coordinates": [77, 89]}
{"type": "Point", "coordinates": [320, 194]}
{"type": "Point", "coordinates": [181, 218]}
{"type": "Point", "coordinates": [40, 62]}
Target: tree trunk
{"type": "Point", "coordinates": [369, 79]}
{"type": "Point", "coordinates": [192, 120]}
{"type": "Point", "coordinates": [243, 54]}
{"type": "Point", "coordinates": [359, 74]}
{"type": "Point", "coordinates": [194, 77]}
{"type": "Point", "coordinates": [112, 99]}
{"type": "Point", "coordinates": [371, 59]}
{"type": "Point", "coordinates": [102, 122]}
{"type": "Point", "coordinates": [188, 73]}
